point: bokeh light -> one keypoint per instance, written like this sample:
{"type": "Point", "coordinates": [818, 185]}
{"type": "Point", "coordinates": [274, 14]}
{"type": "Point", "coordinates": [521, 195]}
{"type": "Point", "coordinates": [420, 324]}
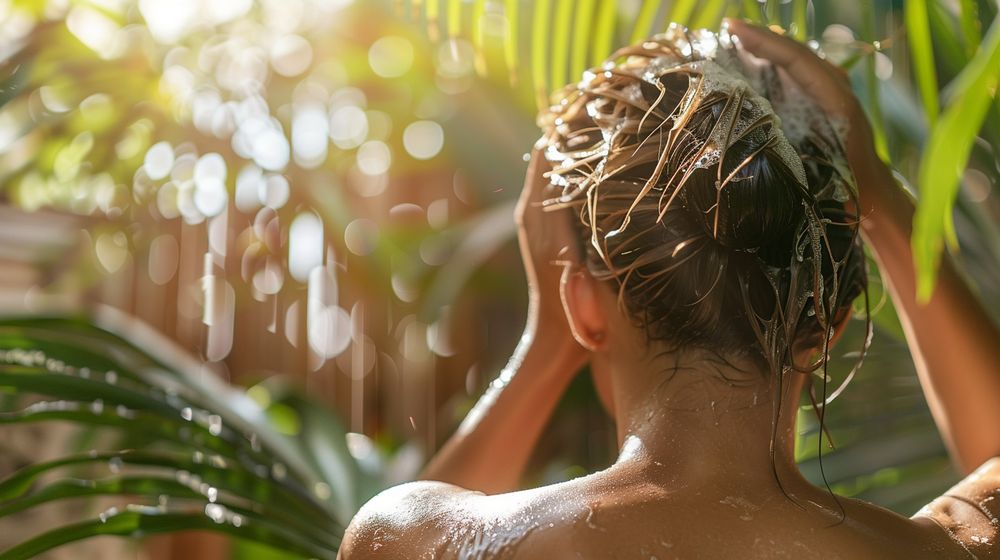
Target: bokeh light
{"type": "Point", "coordinates": [423, 139]}
{"type": "Point", "coordinates": [391, 57]}
{"type": "Point", "coordinates": [374, 158]}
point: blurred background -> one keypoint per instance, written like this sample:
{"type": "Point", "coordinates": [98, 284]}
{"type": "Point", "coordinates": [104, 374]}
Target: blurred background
{"type": "Point", "coordinates": [311, 200]}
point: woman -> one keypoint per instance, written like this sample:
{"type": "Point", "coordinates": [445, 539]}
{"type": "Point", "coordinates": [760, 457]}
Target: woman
{"type": "Point", "coordinates": [699, 284]}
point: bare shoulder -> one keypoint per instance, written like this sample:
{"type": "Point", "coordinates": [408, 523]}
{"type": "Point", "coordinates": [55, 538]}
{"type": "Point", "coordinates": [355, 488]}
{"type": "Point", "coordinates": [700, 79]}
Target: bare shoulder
{"type": "Point", "coordinates": [592, 518]}
{"type": "Point", "coordinates": [435, 520]}
{"type": "Point", "coordinates": [970, 511]}
{"type": "Point", "coordinates": [405, 521]}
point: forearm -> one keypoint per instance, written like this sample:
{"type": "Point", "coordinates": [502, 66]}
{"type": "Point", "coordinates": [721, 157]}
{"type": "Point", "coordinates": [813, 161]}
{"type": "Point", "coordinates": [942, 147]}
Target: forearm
{"type": "Point", "coordinates": [490, 449]}
{"type": "Point", "coordinates": [954, 343]}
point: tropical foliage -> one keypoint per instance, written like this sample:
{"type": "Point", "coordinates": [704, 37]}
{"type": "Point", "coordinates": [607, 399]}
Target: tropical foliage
{"type": "Point", "coordinates": [192, 453]}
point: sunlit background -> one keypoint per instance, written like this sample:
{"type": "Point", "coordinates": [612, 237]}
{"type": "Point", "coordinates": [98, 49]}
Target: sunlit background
{"type": "Point", "coordinates": [314, 197]}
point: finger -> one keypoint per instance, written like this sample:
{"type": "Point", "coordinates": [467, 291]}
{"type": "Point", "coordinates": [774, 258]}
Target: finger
{"type": "Point", "coordinates": [801, 63]}
{"type": "Point", "coordinates": [536, 180]}
{"type": "Point", "coordinates": [842, 74]}
{"type": "Point", "coordinates": [761, 41]}
{"type": "Point", "coordinates": [533, 191]}
{"type": "Point", "coordinates": [538, 167]}
{"type": "Point", "coordinates": [812, 74]}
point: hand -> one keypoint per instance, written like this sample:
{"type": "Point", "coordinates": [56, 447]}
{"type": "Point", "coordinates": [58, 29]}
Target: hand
{"type": "Point", "coordinates": [830, 88]}
{"type": "Point", "coordinates": [548, 248]}
{"type": "Point", "coordinates": [490, 449]}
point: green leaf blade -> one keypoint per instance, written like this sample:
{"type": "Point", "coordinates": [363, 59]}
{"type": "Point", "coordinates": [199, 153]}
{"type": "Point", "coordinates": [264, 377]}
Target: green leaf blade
{"type": "Point", "coordinates": [946, 155]}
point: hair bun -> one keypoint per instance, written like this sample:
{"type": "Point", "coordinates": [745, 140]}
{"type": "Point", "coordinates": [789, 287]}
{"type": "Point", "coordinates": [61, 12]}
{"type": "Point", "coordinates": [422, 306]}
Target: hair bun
{"type": "Point", "coordinates": [760, 206]}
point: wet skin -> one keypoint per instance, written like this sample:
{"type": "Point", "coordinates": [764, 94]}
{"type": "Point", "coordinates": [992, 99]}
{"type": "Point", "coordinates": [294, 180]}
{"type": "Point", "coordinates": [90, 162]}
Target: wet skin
{"type": "Point", "coordinates": [692, 493]}
{"type": "Point", "coordinates": [696, 477]}
{"type": "Point", "coordinates": [625, 512]}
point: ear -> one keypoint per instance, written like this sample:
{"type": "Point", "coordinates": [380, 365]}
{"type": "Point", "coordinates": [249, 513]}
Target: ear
{"type": "Point", "coordinates": [584, 312]}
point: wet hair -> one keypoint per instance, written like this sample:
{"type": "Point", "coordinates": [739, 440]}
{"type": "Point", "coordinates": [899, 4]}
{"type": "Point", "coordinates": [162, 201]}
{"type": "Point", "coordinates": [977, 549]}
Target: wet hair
{"type": "Point", "coordinates": [718, 200]}
{"type": "Point", "coordinates": [721, 227]}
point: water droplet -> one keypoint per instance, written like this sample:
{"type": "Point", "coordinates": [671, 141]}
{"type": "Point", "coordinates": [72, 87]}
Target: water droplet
{"type": "Point", "coordinates": [279, 471]}
{"type": "Point", "coordinates": [187, 413]}
{"type": "Point", "coordinates": [322, 490]}
{"type": "Point", "coordinates": [111, 378]}
{"type": "Point", "coordinates": [212, 494]}
{"type": "Point", "coordinates": [359, 446]}
{"type": "Point", "coordinates": [215, 424]}
{"type": "Point", "coordinates": [115, 465]}
{"type": "Point", "coordinates": [215, 512]}
{"type": "Point", "coordinates": [108, 514]}
{"type": "Point", "coordinates": [97, 407]}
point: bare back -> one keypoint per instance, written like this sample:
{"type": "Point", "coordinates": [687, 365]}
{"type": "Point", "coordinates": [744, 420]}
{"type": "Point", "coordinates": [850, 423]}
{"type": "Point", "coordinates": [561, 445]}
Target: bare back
{"type": "Point", "coordinates": [622, 513]}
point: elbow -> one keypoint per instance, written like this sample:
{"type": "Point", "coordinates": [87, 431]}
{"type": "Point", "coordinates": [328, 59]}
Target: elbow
{"type": "Point", "coordinates": [968, 458]}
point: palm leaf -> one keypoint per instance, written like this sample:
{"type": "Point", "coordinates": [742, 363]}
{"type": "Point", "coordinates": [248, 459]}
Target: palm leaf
{"type": "Point", "coordinates": [144, 520]}
{"type": "Point", "coordinates": [919, 39]}
{"type": "Point", "coordinates": [208, 457]}
{"type": "Point", "coordinates": [947, 154]}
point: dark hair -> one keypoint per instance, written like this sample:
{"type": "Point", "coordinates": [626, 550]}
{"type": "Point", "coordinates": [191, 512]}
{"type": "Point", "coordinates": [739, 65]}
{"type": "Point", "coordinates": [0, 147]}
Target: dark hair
{"type": "Point", "coordinates": [719, 231]}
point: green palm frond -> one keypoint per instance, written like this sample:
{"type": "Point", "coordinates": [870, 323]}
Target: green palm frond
{"type": "Point", "coordinates": [947, 154]}
{"type": "Point", "coordinates": [204, 455]}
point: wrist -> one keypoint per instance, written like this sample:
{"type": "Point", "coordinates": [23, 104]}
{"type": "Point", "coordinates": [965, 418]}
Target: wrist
{"type": "Point", "coordinates": [555, 360]}
{"type": "Point", "coordinates": [886, 210]}
{"type": "Point", "coordinates": [547, 336]}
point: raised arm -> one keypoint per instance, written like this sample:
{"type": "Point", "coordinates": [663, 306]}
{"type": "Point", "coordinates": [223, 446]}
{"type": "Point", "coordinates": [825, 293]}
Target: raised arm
{"type": "Point", "coordinates": [955, 345]}
{"type": "Point", "coordinates": [490, 449]}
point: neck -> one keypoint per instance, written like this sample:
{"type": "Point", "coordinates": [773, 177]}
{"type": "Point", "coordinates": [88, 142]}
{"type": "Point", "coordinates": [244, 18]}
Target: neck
{"type": "Point", "coordinates": [710, 424]}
